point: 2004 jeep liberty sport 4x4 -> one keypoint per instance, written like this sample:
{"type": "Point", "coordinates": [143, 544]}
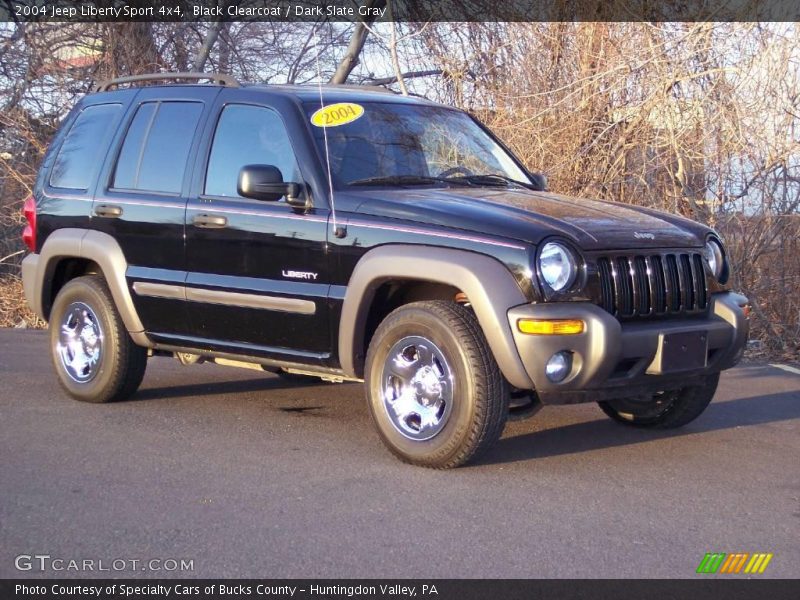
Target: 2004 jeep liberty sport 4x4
{"type": "Point", "coordinates": [353, 234]}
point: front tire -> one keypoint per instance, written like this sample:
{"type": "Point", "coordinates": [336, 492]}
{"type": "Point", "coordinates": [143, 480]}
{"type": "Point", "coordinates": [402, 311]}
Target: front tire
{"type": "Point", "coordinates": [93, 355]}
{"type": "Point", "coordinates": [666, 410]}
{"type": "Point", "coordinates": [434, 390]}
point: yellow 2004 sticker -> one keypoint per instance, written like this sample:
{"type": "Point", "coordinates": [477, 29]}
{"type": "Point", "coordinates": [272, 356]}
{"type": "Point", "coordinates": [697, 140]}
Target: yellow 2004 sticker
{"type": "Point", "coordinates": [337, 114]}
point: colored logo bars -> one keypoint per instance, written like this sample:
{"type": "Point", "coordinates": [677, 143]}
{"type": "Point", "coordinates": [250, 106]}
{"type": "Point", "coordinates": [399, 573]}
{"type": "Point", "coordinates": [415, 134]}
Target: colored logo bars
{"type": "Point", "coordinates": [719, 562]}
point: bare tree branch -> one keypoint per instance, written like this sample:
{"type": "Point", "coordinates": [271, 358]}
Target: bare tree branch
{"type": "Point", "coordinates": [356, 45]}
{"type": "Point", "coordinates": [406, 75]}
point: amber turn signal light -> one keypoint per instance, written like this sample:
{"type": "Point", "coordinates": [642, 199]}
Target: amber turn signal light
{"type": "Point", "coordinates": [551, 326]}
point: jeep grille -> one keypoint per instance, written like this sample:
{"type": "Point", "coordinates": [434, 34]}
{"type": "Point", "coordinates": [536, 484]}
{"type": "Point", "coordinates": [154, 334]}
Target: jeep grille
{"type": "Point", "coordinates": [653, 285]}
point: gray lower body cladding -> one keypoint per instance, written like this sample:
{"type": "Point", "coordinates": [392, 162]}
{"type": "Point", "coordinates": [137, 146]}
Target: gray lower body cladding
{"type": "Point", "coordinates": [609, 359]}
{"type": "Point", "coordinates": [612, 359]}
{"type": "Point", "coordinates": [98, 247]}
{"type": "Point", "coordinates": [32, 284]}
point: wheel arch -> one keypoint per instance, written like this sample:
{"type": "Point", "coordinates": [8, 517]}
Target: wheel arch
{"type": "Point", "coordinates": [489, 286]}
{"type": "Point", "coordinates": [68, 253]}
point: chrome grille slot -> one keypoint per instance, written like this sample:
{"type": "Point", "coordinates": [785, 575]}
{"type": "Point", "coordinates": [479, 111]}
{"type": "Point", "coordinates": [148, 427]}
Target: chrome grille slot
{"type": "Point", "coordinates": [624, 287]}
{"type": "Point", "coordinates": [606, 286]}
{"type": "Point", "coordinates": [674, 285]}
{"type": "Point", "coordinates": [699, 277]}
{"type": "Point", "coordinates": [656, 274]}
{"type": "Point", "coordinates": [642, 285]}
{"type": "Point", "coordinates": [687, 282]}
{"type": "Point", "coordinates": [671, 283]}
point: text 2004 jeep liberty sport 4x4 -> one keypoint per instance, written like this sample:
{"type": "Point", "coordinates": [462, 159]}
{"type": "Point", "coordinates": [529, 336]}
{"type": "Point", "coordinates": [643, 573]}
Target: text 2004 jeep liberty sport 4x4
{"type": "Point", "coordinates": [351, 234]}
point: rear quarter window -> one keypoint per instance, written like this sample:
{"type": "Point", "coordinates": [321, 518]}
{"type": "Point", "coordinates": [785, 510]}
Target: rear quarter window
{"type": "Point", "coordinates": [82, 151]}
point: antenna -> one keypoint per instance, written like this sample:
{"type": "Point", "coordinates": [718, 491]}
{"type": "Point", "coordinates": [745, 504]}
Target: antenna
{"type": "Point", "coordinates": [338, 231]}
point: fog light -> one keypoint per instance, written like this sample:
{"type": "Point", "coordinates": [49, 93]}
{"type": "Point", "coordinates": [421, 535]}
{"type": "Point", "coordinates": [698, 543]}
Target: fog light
{"type": "Point", "coordinates": [558, 366]}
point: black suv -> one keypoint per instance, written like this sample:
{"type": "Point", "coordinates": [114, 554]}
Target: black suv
{"type": "Point", "coordinates": [353, 234]}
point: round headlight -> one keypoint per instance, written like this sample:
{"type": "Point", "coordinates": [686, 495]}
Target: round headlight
{"type": "Point", "coordinates": [556, 266]}
{"type": "Point", "coordinates": [714, 257]}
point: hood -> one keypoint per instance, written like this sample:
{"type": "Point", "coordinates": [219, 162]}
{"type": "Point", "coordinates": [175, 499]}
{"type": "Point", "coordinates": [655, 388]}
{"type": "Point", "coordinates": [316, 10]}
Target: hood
{"type": "Point", "coordinates": [530, 216]}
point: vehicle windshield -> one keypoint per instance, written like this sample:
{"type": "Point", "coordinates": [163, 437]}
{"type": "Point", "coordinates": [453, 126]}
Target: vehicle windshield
{"type": "Point", "coordinates": [396, 144]}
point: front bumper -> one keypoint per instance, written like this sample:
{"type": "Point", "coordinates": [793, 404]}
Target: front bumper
{"type": "Point", "coordinates": [612, 359]}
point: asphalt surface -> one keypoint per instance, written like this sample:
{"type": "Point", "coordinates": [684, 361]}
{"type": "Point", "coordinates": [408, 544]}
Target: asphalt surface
{"type": "Point", "coordinates": [249, 476]}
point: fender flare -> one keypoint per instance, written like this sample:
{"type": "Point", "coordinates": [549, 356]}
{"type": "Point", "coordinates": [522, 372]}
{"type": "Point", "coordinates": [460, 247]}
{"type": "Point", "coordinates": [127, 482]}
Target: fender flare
{"type": "Point", "coordinates": [98, 247]}
{"type": "Point", "coordinates": [489, 285]}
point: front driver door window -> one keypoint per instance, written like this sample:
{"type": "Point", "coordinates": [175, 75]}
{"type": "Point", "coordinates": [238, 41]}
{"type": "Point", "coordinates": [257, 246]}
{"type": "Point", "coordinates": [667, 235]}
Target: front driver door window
{"type": "Point", "coordinates": [247, 135]}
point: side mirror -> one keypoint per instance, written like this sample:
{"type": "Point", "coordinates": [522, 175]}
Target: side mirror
{"type": "Point", "coordinates": [265, 182]}
{"type": "Point", "coordinates": [539, 180]}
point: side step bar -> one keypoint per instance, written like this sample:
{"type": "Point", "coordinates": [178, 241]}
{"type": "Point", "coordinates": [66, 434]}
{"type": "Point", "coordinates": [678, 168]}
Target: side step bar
{"type": "Point", "coordinates": [187, 357]}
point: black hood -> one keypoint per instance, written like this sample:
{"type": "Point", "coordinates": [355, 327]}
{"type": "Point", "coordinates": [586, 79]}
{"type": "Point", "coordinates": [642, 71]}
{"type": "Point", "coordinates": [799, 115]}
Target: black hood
{"type": "Point", "coordinates": [531, 216]}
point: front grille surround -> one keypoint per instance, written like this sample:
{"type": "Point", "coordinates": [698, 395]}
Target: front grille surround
{"type": "Point", "coordinates": [646, 284]}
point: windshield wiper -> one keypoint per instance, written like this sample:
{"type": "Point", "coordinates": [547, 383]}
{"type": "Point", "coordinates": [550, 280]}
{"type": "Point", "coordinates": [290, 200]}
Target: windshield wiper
{"type": "Point", "coordinates": [491, 179]}
{"type": "Point", "coordinates": [406, 180]}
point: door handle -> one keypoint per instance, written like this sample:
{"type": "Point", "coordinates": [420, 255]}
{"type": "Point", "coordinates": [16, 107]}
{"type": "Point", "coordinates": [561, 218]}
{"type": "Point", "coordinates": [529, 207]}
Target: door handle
{"type": "Point", "coordinates": [209, 221]}
{"type": "Point", "coordinates": [108, 210]}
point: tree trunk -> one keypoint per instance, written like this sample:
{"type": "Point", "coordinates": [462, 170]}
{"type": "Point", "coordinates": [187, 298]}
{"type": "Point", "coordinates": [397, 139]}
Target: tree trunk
{"type": "Point", "coordinates": [203, 52]}
{"type": "Point", "coordinates": [356, 45]}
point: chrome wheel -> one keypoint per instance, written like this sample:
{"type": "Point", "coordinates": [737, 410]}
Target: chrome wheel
{"type": "Point", "coordinates": [80, 342]}
{"type": "Point", "coordinates": [417, 388]}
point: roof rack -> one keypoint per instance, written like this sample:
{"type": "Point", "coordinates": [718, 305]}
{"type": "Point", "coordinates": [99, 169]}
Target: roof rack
{"type": "Point", "coordinates": [361, 87]}
{"type": "Point", "coordinates": [216, 78]}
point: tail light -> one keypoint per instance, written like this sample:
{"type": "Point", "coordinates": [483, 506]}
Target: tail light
{"type": "Point", "coordinates": [29, 233]}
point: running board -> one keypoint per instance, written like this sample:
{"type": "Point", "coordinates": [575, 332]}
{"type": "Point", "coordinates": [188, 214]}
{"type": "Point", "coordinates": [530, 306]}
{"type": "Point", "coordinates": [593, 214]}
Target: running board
{"type": "Point", "coordinates": [326, 375]}
{"type": "Point", "coordinates": [341, 378]}
{"type": "Point", "coordinates": [259, 364]}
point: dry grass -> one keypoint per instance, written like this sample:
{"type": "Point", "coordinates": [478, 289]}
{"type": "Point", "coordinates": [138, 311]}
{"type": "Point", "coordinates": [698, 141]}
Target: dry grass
{"type": "Point", "coordinates": [14, 311]}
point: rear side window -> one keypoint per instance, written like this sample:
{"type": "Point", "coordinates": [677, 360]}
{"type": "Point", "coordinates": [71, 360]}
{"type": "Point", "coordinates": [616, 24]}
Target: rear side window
{"type": "Point", "coordinates": [82, 150]}
{"type": "Point", "coordinates": [247, 135]}
{"type": "Point", "coordinates": [154, 155]}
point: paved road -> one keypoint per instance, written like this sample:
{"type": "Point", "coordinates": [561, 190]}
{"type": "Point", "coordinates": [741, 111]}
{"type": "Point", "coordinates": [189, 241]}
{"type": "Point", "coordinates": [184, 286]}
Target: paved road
{"type": "Point", "coordinates": [250, 477]}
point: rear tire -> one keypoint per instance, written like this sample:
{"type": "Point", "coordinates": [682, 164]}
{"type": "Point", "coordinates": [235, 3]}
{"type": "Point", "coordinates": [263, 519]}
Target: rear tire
{"type": "Point", "coordinates": [434, 390]}
{"type": "Point", "coordinates": [667, 410]}
{"type": "Point", "coordinates": [93, 355]}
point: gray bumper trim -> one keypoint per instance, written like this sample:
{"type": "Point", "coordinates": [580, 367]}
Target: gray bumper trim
{"type": "Point", "coordinates": [612, 358]}
{"type": "Point", "coordinates": [32, 284]}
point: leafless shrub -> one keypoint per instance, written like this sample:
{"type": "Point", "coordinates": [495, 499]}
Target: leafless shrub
{"type": "Point", "coordinates": [697, 119]}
